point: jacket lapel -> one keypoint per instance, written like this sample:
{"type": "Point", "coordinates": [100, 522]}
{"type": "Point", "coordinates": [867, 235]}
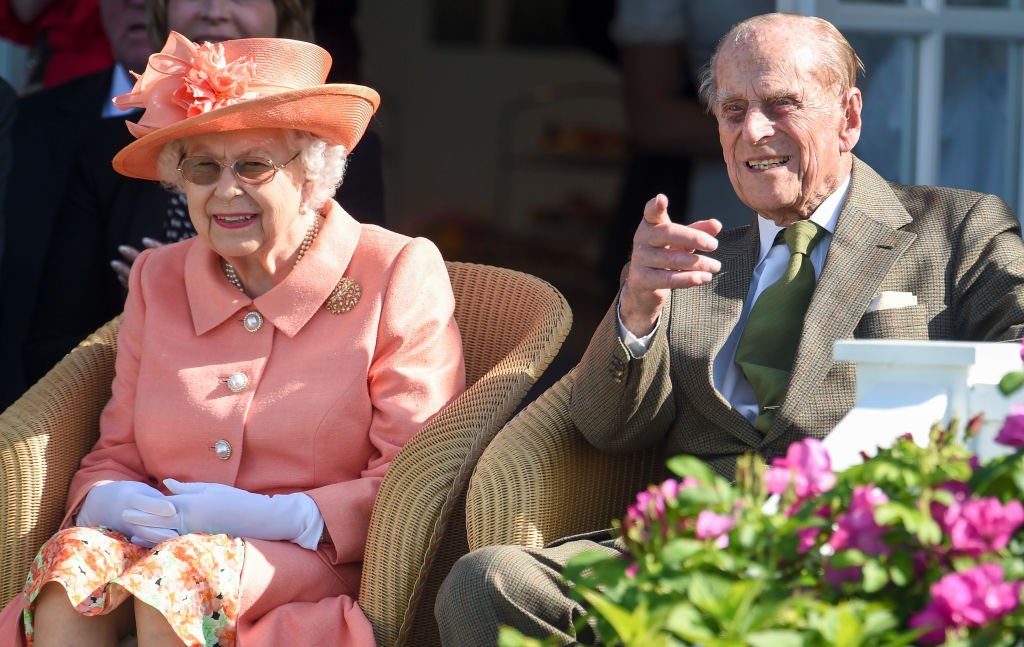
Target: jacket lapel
{"type": "Point", "coordinates": [866, 244]}
{"type": "Point", "coordinates": [716, 311]}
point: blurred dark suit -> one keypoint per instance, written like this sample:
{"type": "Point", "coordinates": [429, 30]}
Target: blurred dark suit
{"type": "Point", "coordinates": [8, 111]}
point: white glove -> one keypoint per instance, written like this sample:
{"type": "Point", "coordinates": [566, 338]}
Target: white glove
{"type": "Point", "coordinates": [218, 508]}
{"type": "Point", "coordinates": [132, 508]}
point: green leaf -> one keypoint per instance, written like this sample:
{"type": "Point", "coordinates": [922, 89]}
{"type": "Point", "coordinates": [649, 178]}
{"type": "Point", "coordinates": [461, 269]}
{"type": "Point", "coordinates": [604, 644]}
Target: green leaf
{"type": "Point", "coordinates": [846, 558]}
{"type": "Point", "coordinates": [588, 558]}
{"type": "Point", "coordinates": [901, 568]}
{"type": "Point", "coordinates": [627, 625]}
{"type": "Point", "coordinates": [677, 551]}
{"type": "Point", "coordinates": [685, 465]}
{"type": "Point", "coordinates": [880, 620]}
{"type": "Point", "coordinates": [709, 593]}
{"type": "Point", "coordinates": [686, 622]}
{"type": "Point", "coordinates": [509, 637]}
{"type": "Point", "coordinates": [1011, 382]}
{"type": "Point", "coordinates": [761, 612]}
{"type": "Point", "coordinates": [594, 568]}
{"type": "Point", "coordinates": [875, 576]}
{"type": "Point", "coordinates": [777, 638]}
{"type": "Point", "coordinates": [995, 478]}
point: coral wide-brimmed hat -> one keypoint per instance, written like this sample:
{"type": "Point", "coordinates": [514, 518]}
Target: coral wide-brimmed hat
{"type": "Point", "coordinates": [190, 89]}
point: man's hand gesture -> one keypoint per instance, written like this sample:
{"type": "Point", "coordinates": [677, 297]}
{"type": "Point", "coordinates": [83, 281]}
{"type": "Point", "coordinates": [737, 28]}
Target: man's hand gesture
{"type": "Point", "coordinates": [665, 255]}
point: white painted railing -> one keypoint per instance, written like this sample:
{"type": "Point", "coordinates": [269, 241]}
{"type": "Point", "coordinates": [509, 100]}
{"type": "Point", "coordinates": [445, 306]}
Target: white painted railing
{"type": "Point", "coordinates": [907, 386]}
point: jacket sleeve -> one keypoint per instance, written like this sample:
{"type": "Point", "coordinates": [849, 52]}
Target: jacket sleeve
{"type": "Point", "coordinates": [417, 368]}
{"type": "Point", "coordinates": [989, 271]}
{"type": "Point", "coordinates": [115, 456]}
{"type": "Point", "coordinates": [620, 403]}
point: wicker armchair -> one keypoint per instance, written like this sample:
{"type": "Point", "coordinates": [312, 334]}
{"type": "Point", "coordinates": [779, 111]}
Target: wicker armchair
{"type": "Point", "coordinates": [540, 480]}
{"type": "Point", "coordinates": [512, 326]}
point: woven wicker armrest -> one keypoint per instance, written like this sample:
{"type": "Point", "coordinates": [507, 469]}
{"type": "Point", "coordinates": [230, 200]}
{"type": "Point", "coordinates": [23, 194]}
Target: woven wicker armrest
{"type": "Point", "coordinates": [540, 480]}
{"type": "Point", "coordinates": [512, 326]}
{"type": "Point", "coordinates": [43, 436]}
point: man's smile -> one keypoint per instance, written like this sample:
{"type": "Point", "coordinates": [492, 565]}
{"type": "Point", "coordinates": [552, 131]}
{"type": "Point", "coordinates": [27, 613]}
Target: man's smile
{"type": "Point", "coordinates": [765, 164]}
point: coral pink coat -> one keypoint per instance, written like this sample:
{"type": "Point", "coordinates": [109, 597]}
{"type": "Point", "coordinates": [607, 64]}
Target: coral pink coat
{"type": "Point", "coordinates": [330, 400]}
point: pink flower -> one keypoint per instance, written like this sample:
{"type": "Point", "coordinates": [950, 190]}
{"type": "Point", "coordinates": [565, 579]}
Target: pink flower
{"type": "Point", "coordinates": [1012, 432]}
{"type": "Point", "coordinates": [857, 528]}
{"type": "Point", "coordinates": [978, 526]}
{"type": "Point", "coordinates": [968, 599]}
{"type": "Point", "coordinates": [711, 525]}
{"type": "Point", "coordinates": [211, 82]}
{"type": "Point", "coordinates": [649, 509]}
{"type": "Point", "coordinates": [806, 466]}
{"type": "Point", "coordinates": [807, 537]}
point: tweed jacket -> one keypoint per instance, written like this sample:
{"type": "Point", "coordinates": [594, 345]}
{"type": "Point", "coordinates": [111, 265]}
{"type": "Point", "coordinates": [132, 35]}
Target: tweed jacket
{"type": "Point", "coordinates": [958, 251]}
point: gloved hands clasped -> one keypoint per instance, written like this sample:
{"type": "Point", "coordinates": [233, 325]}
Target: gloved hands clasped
{"type": "Point", "coordinates": [218, 508]}
{"type": "Point", "coordinates": [119, 505]}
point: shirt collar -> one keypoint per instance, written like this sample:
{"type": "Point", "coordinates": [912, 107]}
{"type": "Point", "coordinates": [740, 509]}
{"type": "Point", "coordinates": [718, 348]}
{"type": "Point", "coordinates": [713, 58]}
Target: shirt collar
{"type": "Point", "coordinates": [120, 83]}
{"type": "Point", "coordinates": [290, 303]}
{"type": "Point", "coordinates": [826, 215]}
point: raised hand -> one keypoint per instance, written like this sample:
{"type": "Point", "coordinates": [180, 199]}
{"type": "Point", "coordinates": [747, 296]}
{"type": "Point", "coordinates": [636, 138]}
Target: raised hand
{"type": "Point", "coordinates": [122, 268]}
{"type": "Point", "coordinates": [665, 256]}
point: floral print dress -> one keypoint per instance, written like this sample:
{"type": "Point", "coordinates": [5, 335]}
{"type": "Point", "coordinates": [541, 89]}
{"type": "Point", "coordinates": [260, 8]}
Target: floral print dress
{"type": "Point", "coordinates": [192, 580]}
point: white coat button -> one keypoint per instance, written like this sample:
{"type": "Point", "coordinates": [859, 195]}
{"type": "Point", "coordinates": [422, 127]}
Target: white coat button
{"type": "Point", "coordinates": [237, 382]}
{"type": "Point", "coordinates": [222, 449]}
{"type": "Point", "coordinates": [252, 321]}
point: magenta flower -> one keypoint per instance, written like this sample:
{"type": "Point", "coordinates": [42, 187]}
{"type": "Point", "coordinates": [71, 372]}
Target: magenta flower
{"type": "Point", "coordinates": [806, 537]}
{"type": "Point", "coordinates": [711, 525]}
{"type": "Point", "coordinates": [649, 509]}
{"type": "Point", "coordinates": [978, 526]}
{"type": "Point", "coordinates": [857, 528]}
{"type": "Point", "coordinates": [1012, 432]}
{"type": "Point", "coordinates": [806, 466]}
{"type": "Point", "coordinates": [969, 599]}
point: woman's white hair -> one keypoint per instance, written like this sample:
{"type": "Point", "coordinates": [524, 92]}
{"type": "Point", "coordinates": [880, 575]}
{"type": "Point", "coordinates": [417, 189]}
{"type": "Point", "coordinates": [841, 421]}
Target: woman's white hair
{"type": "Point", "coordinates": [323, 164]}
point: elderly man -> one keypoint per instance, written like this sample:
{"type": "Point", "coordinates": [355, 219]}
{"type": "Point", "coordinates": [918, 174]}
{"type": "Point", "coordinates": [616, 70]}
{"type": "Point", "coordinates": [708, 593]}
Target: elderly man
{"type": "Point", "coordinates": [720, 343]}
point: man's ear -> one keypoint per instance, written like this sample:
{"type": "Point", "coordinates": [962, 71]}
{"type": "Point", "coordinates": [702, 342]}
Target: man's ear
{"type": "Point", "coordinates": [849, 131]}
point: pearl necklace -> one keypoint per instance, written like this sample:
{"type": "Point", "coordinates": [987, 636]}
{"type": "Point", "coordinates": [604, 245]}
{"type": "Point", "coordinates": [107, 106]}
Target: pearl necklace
{"type": "Point", "coordinates": [307, 241]}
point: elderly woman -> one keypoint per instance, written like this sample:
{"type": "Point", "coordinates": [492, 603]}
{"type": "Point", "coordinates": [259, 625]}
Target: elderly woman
{"type": "Point", "coordinates": [268, 371]}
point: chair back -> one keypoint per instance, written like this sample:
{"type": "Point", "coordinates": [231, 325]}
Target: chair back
{"type": "Point", "coordinates": [43, 437]}
{"type": "Point", "coordinates": [540, 480]}
{"type": "Point", "coordinates": [512, 326]}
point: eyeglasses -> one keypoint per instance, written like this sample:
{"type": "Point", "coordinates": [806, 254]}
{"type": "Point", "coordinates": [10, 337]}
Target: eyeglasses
{"type": "Point", "coordinates": [205, 170]}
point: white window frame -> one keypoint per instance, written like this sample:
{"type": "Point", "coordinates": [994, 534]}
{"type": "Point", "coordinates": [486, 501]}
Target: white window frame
{"type": "Point", "coordinates": [930, 22]}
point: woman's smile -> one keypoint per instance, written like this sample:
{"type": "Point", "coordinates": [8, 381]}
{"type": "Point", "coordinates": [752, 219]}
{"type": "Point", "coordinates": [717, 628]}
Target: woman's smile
{"type": "Point", "coordinates": [234, 220]}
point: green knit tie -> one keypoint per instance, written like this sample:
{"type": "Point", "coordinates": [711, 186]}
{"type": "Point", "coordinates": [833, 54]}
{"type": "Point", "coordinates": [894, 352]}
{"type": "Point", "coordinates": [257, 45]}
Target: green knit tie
{"type": "Point", "coordinates": [769, 340]}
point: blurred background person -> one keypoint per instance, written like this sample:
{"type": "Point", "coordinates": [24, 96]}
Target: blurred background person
{"type": "Point", "coordinates": [673, 143]}
{"type": "Point", "coordinates": [8, 111]}
{"type": "Point", "coordinates": [66, 38]}
{"type": "Point", "coordinates": [60, 135]}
